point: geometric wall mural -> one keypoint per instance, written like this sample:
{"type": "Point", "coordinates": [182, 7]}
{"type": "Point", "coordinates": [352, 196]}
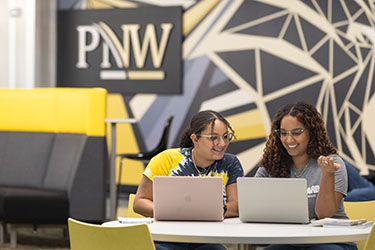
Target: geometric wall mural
{"type": "Point", "coordinates": [318, 51]}
{"type": "Point", "coordinates": [245, 59]}
{"type": "Point", "coordinates": [277, 52]}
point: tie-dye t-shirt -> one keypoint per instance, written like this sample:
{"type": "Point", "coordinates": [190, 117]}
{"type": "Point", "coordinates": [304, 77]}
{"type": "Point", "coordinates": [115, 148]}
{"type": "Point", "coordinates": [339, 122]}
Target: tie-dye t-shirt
{"type": "Point", "coordinates": [178, 162]}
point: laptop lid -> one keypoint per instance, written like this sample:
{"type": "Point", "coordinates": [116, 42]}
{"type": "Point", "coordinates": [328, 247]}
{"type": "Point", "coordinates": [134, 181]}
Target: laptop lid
{"type": "Point", "coordinates": [188, 198]}
{"type": "Point", "coordinates": [277, 200]}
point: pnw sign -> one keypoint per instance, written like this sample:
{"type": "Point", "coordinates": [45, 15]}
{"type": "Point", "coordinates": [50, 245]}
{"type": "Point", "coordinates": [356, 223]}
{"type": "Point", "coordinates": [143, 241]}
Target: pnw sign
{"type": "Point", "coordinates": [123, 50]}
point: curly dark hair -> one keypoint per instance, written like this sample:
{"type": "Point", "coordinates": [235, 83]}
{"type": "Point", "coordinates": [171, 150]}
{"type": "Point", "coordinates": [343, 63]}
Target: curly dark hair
{"type": "Point", "coordinates": [276, 159]}
{"type": "Point", "coordinates": [198, 123]}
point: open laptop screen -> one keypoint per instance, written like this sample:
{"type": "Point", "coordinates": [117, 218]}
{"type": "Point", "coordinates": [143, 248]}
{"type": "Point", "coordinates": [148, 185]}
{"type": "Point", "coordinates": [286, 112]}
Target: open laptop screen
{"type": "Point", "coordinates": [281, 200]}
{"type": "Point", "coordinates": [188, 198]}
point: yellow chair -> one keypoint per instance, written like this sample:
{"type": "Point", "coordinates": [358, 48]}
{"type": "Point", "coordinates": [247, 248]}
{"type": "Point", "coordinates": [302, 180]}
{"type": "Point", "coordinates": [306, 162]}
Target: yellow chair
{"type": "Point", "coordinates": [370, 242]}
{"type": "Point", "coordinates": [360, 210]}
{"type": "Point", "coordinates": [86, 236]}
{"type": "Point", "coordinates": [131, 212]}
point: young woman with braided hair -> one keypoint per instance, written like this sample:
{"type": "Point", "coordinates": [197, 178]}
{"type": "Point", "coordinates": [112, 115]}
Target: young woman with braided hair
{"type": "Point", "coordinates": [201, 153]}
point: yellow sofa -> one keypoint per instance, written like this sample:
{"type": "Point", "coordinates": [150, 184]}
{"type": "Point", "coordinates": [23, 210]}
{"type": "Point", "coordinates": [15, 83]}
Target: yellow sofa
{"type": "Point", "coordinates": [53, 155]}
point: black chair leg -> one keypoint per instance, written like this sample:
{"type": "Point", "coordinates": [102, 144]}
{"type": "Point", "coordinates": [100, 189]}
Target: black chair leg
{"type": "Point", "coordinates": [119, 184]}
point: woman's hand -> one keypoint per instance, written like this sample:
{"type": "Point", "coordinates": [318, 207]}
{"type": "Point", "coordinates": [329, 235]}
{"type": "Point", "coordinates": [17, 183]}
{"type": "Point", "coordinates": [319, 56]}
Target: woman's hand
{"type": "Point", "coordinates": [327, 165]}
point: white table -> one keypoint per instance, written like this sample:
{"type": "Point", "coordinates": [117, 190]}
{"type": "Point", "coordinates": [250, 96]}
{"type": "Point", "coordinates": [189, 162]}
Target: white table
{"type": "Point", "coordinates": [233, 231]}
{"type": "Point", "coordinates": [112, 171]}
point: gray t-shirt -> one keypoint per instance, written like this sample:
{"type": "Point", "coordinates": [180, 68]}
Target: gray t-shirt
{"type": "Point", "coordinates": [312, 175]}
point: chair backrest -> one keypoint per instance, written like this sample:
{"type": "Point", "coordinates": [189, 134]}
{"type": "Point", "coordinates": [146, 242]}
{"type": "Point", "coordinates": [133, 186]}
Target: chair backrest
{"type": "Point", "coordinates": [163, 144]}
{"type": "Point", "coordinates": [370, 242]}
{"type": "Point", "coordinates": [360, 210]}
{"type": "Point", "coordinates": [131, 212]}
{"type": "Point", "coordinates": [86, 236]}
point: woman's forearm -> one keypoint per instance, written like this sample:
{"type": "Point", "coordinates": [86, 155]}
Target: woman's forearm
{"type": "Point", "coordinates": [326, 202]}
{"type": "Point", "coordinates": [232, 209]}
{"type": "Point", "coordinates": [144, 207]}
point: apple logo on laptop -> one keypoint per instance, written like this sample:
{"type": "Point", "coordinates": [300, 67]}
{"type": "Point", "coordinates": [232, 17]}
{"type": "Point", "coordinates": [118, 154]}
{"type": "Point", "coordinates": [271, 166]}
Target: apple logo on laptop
{"type": "Point", "coordinates": [187, 198]}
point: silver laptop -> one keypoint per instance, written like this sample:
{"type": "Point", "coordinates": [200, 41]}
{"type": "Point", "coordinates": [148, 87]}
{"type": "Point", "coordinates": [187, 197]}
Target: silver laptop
{"type": "Point", "coordinates": [188, 198]}
{"type": "Point", "coordinates": [276, 200]}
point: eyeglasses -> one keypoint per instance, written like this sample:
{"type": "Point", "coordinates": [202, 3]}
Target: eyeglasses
{"type": "Point", "coordinates": [282, 134]}
{"type": "Point", "coordinates": [216, 138]}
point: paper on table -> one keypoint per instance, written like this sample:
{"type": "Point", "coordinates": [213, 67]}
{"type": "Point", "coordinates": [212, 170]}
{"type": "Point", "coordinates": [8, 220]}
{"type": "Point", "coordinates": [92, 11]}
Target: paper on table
{"type": "Point", "coordinates": [337, 222]}
{"type": "Point", "coordinates": [135, 220]}
{"type": "Point", "coordinates": [359, 226]}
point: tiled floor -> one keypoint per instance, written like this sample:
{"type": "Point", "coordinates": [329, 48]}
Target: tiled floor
{"type": "Point", "coordinates": [43, 238]}
{"type": "Point", "coordinates": [51, 238]}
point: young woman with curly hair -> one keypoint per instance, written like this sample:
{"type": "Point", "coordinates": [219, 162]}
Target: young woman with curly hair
{"type": "Point", "coordinates": [299, 147]}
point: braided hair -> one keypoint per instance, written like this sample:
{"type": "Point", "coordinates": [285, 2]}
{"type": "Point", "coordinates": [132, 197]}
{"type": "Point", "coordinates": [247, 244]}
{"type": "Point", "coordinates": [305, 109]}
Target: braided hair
{"type": "Point", "coordinates": [198, 123]}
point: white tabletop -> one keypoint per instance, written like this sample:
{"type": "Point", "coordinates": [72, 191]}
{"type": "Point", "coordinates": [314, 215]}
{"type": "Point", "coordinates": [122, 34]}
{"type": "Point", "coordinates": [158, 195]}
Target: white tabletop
{"type": "Point", "coordinates": [120, 120]}
{"type": "Point", "coordinates": [233, 231]}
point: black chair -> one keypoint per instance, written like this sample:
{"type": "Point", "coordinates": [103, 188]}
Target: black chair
{"type": "Point", "coordinates": [145, 157]}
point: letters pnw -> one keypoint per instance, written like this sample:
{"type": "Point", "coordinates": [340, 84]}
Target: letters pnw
{"type": "Point", "coordinates": [121, 51]}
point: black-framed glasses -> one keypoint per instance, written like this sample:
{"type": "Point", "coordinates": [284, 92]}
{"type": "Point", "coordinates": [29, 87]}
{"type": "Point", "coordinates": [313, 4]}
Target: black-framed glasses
{"type": "Point", "coordinates": [216, 138]}
{"type": "Point", "coordinates": [282, 133]}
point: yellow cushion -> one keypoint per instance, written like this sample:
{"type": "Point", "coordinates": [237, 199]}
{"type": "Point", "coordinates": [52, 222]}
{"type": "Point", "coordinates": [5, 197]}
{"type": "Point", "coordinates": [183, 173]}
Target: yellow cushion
{"type": "Point", "coordinates": [56, 110]}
